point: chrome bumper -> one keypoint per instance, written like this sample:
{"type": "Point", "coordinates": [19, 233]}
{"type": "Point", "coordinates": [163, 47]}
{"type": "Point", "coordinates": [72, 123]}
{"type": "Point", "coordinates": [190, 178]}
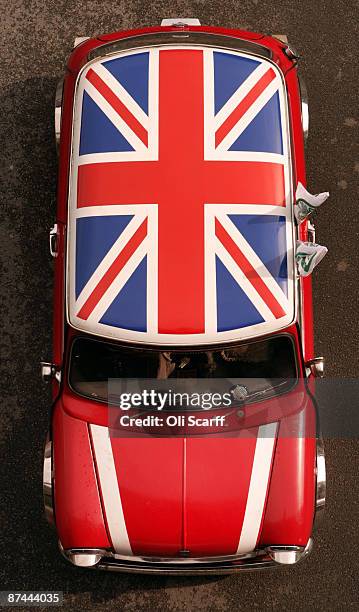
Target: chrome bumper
{"type": "Point", "coordinates": [272, 556]}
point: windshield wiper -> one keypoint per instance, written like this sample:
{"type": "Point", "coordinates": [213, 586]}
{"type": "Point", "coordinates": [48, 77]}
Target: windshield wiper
{"type": "Point", "coordinates": [241, 395]}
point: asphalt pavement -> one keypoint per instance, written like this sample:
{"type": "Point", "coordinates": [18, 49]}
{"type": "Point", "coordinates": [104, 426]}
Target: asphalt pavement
{"type": "Point", "coordinates": [36, 37]}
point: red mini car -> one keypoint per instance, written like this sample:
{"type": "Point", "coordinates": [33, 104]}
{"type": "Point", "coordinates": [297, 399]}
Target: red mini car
{"type": "Point", "coordinates": [180, 150]}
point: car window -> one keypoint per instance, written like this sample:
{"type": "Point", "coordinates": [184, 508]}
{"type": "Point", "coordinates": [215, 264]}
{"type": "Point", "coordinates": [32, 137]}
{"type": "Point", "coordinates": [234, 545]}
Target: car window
{"type": "Point", "coordinates": [262, 366]}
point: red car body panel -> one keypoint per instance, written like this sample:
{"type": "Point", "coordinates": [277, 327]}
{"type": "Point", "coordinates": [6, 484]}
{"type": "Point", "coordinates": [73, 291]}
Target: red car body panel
{"type": "Point", "coordinates": [186, 493]}
{"type": "Point", "coordinates": [291, 500]}
{"type": "Point", "coordinates": [79, 517]}
{"type": "Point", "coordinates": [181, 493]}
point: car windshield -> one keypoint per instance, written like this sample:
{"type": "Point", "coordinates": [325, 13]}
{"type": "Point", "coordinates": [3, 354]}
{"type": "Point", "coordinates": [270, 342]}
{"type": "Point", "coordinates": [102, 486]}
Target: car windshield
{"type": "Point", "coordinates": [251, 370]}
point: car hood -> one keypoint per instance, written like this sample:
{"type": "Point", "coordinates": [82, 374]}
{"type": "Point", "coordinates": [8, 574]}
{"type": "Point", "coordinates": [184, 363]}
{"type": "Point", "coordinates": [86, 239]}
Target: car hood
{"type": "Point", "coordinates": [219, 492]}
{"type": "Point", "coordinates": [184, 496]}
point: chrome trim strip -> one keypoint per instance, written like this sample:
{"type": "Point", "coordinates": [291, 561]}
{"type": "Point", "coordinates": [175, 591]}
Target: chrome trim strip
{"type": "Point", "coordinates": [183, 37]}
{"type": "Point", "coordinates": [58, 111]}
{"type": "Point", "coordinates": [321, 483]}
{"type": "Point", "coordinates": [226, 568]}
{"type": "Point", "coordinates": [304, 106]}
{"type": "Point", "coordinates": [47, 481]}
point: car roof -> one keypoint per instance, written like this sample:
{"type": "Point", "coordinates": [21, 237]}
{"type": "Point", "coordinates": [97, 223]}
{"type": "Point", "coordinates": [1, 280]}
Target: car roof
{"type": "Point", "coordinates": [180, 214]}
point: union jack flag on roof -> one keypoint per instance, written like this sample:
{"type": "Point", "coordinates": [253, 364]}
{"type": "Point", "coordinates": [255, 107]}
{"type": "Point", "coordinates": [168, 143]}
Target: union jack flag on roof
{"type": "Point", "coordinates": [180, 223]}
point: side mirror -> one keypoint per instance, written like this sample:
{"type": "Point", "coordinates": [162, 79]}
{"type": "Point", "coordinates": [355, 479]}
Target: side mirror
{"type": "Point", "coordinates": [49, 371]}
{"type": "Point", "coordinates": [315, 367]}
{"type": "Point", "coordinates": [53, 240]}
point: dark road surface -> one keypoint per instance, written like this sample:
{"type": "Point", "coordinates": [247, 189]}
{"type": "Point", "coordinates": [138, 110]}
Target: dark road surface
{"type": "Point", "coordinates": [36, 36]}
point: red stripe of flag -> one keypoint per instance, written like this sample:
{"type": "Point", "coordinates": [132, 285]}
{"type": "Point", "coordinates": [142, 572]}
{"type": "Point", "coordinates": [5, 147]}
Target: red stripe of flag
{"type": "Point", "coordinates": [244, 105]}
{"type": "Point", "coordinates": [117, 105]}
{"type": "Point", "coordinates": [250, 272]}
{"type": "Point", "coordinates": [113, 271]}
